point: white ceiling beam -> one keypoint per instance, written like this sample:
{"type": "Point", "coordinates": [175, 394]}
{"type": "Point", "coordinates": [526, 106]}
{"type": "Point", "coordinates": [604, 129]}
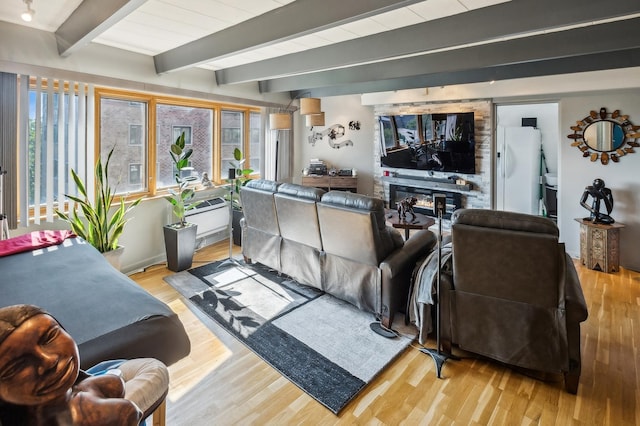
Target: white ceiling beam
{"type": "Point", "coordinates": [293, 20]}
{"type": "Point", "coordinates": [611, 37]}
{"type": "Point", "coordinates": [480, 25]}
{"type": "Point", "coordinates": [90, 19]}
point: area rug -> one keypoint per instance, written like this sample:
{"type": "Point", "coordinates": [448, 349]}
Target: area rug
{"type": "Point", "coordinates": [323, 345]}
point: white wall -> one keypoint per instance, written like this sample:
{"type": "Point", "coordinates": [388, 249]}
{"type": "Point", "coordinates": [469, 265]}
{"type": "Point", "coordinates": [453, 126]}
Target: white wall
{"type": "Point", "coordinates": [577, 172]}
{"type": "Point", "coordinates": [510, 115]}
{"type": "Point", "coordinates": [339, 110]}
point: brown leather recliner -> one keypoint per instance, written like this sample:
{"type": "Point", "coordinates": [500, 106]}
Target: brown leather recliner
{"type": "Point", "coordinates": [514, 294]}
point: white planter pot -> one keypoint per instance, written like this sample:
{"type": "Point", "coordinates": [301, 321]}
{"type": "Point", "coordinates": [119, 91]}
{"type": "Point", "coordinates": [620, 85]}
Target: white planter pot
{"type": "Point", "coordinates": [114, 257]}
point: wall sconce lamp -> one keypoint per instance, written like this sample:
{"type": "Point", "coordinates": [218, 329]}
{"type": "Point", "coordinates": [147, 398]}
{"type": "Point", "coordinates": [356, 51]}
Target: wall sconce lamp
{"type": "Point", "coordinates": [27, 15]}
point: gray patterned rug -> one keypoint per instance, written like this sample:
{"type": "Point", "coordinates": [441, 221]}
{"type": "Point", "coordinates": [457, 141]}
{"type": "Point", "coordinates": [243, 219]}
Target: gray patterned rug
{"type": "Point", "coordinates": [320, 343]}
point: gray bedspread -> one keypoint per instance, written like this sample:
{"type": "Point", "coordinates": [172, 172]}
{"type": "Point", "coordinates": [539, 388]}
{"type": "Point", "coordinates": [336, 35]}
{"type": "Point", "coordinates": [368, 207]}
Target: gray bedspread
{"type": "Point", "coordinates": [108, 314]}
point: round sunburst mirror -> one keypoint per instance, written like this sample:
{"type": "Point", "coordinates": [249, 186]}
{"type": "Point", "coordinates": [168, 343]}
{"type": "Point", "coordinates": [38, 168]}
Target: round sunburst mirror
{"type": "Point", "coordinates": [605, 136]}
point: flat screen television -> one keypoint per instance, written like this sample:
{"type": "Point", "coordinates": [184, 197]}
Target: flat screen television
{"type": "Point", "coordinates": [438, 142]}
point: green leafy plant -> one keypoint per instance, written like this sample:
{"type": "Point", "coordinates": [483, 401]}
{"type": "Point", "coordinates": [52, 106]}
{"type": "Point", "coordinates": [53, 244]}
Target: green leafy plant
{"type": "Point", "coordinates": [97, 225]}
{"type": "Point", "coordinates": [242, 177]}
{"type": "Point", "coordinates": [181, 198]}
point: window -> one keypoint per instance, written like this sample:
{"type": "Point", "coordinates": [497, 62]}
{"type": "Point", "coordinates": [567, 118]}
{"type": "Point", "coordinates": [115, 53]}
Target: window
{"type": "Point", "coordinates": [255, 128]}
{"type": "Point", "coordinates": [135, 132]}
{"type": "Point", "coordinates": [198, 132]}
{"type": "Point", "coordinates": [232, 138]}
{"type": "Point", "coordinates": [178, 130]}
{"type": "Point", "coordinates": [122, 120]}
{"type": "Point", "coordinates": [142, 127]}
{"type": "Point", "coordinates": [135, 174]}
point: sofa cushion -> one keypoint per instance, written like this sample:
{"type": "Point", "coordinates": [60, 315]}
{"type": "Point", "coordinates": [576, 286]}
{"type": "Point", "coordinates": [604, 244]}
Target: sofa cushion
{"type": "Point", "coordinates": [357, 201]}
{"type": "Point", "coordinates": [259, 206]}
{"type": "Point", "coordinates": [263, 185]}
{"type": "Point", "coordinates": [297, 214]}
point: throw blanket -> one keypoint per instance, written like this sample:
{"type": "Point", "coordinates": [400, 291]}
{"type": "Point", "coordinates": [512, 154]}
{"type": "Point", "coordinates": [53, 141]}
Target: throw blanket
{"type": "Point", "coordinates": [32, 241]}
{"type": "Point", "coordinates": [424, 287]}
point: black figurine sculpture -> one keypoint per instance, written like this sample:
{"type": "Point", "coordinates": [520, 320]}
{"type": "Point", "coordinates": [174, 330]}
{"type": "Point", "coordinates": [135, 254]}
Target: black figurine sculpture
{"type": "Point", "coordinates": [598, 192]}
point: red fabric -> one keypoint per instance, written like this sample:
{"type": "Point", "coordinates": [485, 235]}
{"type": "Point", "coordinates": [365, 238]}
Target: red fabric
{"type": "Point", "coordinates": [32, 241]}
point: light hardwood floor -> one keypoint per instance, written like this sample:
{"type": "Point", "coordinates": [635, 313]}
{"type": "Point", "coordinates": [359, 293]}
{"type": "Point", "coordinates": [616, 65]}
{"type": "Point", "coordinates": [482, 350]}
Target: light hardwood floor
{"type": "Point", "coordinates": [222, 382]}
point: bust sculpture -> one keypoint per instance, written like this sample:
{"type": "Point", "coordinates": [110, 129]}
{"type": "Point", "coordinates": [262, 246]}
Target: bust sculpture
{"type": "Point", "coordinates": [598, 193]}
{"type": "Point", "coordinates": [40, 378]}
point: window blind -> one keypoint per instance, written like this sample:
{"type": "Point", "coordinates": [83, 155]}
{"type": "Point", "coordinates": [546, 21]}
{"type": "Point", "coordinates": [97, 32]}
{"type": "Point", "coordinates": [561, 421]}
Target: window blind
{"type": "Point", "coordinates": [8, 131]}
{"type": "Point", "coordinates": [56, 120]}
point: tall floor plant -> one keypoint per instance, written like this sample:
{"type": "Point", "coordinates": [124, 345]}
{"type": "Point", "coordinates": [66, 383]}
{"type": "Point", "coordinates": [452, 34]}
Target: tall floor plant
{"type": "Point", "coordinates": [100, 225]}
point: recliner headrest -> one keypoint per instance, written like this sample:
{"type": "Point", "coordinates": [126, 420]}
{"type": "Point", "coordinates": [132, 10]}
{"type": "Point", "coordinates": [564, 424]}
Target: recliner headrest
{"type": "Point", "coordinates": [505, 220]}
{"type": "Point", "coordinates": [306, 192]}
{"type": "Point", "coordinates": [353, 201]}
{"type": "Point", "coordinates": [263, 185]}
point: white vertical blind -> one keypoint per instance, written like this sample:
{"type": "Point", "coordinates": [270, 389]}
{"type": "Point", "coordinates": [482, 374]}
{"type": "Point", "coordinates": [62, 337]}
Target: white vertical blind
{"type": "Point", "coordinates": [37, 151]}
{"type": "Point", "coordinates": [48, 146]}
{"type": "Point", "coordinates": [8, 150]}
{"type": "Point", "coordinates": [23, 145]}
{"type": "Point", "coordinates": [89, 134]}
{"type": "Point", "coordinates": [62, 115]}
{"type": "Point", "coordinates": [72, 143]}
{"type": "Point", "coordinates": [62, 139]}
{"type": "Point", "coordinates": [83, 156]}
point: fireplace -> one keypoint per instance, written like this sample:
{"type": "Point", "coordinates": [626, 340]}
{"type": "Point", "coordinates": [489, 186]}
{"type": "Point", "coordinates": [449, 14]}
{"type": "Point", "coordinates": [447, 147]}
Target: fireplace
{"type": "Point", "coordinates": [424, 196]}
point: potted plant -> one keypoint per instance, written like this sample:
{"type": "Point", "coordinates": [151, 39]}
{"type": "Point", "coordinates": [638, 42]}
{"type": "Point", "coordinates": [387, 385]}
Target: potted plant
{"type": "Point", "coordinates": [99, 225]}
{"type": "Point", "coordinates": [180, 237]}
{"type": "Point", "coordinates": [241, 178]}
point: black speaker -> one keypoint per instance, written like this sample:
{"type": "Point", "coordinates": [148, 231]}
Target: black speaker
{"type": "Point", "coordinates": [529, 122]}
{"type": "Point", "coordinates": [439, 204]}
{"type": "Point", "coordinates": [232, 173]}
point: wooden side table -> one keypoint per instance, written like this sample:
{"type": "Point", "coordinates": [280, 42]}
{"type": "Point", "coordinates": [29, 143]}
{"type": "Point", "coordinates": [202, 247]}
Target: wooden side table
{"type": "Point", "coordinates": [600, 245]}
{"type": "Point", "coordinates": [328, 183]}
{"type": "Point", "coordinates": [420, 221]}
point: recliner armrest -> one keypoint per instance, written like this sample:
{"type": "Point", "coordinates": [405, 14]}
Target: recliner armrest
{"type": "Point", "coordinates": [420, 244]}
{"type": "Point", "coordinates": [575, 304]}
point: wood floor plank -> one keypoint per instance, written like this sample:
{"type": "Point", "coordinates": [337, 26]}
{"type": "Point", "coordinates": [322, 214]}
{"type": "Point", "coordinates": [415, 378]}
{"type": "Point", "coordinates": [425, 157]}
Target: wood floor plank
{"type": "Point", "coordinates": [223, 383]}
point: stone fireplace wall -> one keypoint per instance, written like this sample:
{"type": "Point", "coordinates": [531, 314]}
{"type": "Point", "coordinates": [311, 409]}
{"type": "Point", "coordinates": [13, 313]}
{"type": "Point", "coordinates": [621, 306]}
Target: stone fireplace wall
{"type": "Point", "coordinates": [479, 196]}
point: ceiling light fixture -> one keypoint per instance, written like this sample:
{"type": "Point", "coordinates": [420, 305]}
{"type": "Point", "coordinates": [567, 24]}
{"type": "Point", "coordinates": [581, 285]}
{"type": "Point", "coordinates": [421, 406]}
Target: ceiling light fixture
{"type": "Point", "coordinates": [282, 120]}
{"type": "Point", "coordinates": [27, 15]}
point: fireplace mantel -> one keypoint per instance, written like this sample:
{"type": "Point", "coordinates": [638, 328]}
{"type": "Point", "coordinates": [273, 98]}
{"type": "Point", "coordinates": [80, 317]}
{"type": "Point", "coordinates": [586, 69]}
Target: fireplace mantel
{"type": "Point", "coordinates": [428, 183]}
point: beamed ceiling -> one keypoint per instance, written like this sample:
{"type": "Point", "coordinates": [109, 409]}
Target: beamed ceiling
{"type": "Point", "coordinates": [333, 47]}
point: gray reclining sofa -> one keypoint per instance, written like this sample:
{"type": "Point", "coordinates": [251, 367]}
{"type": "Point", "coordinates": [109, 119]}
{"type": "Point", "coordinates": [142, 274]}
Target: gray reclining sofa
{"type": "Point", "coordinates": [335, 241]}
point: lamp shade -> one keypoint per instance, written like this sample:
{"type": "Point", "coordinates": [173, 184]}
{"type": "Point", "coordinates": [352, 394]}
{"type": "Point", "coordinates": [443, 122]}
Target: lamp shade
{"type": "Point", "coordinates": [314, 120]}
{"type": "Point", "coordinates": [309, 106]}
{"type": "Point", "coordinates": [280, 121]}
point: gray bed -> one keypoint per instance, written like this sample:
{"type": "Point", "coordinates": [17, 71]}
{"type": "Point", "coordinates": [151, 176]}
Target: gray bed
{"type": "Point", "coordinates": [108, 314]}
